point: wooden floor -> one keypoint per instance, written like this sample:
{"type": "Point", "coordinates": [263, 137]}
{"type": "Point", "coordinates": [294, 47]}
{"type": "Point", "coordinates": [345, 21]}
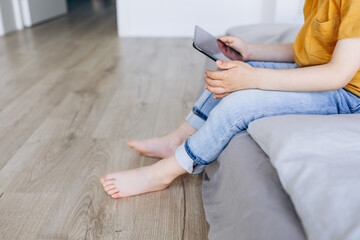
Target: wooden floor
{"type": "Point", "coordinates": [71, 95]}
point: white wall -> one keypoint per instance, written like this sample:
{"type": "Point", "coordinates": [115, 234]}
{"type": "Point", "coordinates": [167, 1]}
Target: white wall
{"type": "Point", "coordinates": [289, 11]}
{"type": "Point", "coordinates": [166, 18]}
{"type": "Point", "coordinates": [36, 11]}
{"type": "Point", "coordinates": [178, 17]}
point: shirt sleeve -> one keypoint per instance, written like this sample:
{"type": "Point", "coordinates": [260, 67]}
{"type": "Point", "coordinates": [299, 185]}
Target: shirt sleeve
{"type": "Point", "coordinates": [350, 19]}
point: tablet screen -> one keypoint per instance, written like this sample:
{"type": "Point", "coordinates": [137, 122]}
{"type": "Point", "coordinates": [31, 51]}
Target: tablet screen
{"type": "Point", "coordinates": [212, 46]}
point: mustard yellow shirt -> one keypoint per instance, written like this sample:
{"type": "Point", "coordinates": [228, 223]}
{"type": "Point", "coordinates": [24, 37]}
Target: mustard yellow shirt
{"type": "Point", "coordinates": [326, 22]}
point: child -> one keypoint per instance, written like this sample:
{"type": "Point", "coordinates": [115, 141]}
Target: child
{"type": "Point", "coordinates": [324, 80]}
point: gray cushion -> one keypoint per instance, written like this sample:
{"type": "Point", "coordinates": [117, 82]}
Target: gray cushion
{"type": "Point", "coordinates": [318, 160]}
{"type": "Point", "coordinates": [266, 34]}
{"type": "Point", "coordinates": [243, 197]}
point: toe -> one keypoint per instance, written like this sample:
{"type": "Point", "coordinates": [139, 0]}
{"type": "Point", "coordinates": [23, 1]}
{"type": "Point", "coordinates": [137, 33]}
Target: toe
{"type": "Point", "coordinates": [109, 187]}
{"type": "Point", "coordinates": [130, 144]}
{"type": "Point", "coordinates": [103, 178]}
{"type": "Point", "coordinates": [109, 182]}
{"type": "Point", "coordinates": [137, 145]}
{"type": "Point", "coordinates": [106, 177]}
{"type": "Point", "coordinates": [112, 191]}
{"type": "Point", "coordinates": [116, 195]}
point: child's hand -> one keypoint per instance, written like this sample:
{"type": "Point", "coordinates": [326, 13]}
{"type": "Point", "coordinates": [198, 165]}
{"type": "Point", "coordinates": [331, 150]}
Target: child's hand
{"type": "Point", "coordinates": [239, 45]}
{"type": "Point", "coordinates": [237, 76]}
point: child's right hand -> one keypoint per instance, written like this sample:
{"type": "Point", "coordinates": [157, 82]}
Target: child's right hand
{"type": "Point", "coordinates": [238, 44]}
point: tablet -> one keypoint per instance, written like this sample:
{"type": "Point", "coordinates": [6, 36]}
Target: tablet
{"type": "Point", "coordinates": [212, 47]}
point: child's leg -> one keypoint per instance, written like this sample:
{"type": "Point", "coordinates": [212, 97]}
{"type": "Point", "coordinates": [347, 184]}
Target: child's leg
{"type": "Point", "coordinates": [231, 116]}
{"type": "Point", "coordinates": [165, 146]}
{"type": "Point", "coordinates": [234, 113]}
{"type": "Point", "coordinates": [162, 147]}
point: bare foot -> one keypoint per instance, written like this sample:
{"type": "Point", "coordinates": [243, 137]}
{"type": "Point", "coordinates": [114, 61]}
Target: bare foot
{"type": "Point", "coordinates": [142, 180]}
{"type": "Point", "coordinates": [132, 182]}
{"type": "Point", "coordinates": [163, 147]}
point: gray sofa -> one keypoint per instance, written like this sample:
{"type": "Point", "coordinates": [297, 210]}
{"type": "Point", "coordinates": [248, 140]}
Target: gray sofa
{"type": "Point", "coordinates": [242, 193]}
{"type": "Point", "coordinates": [243, 197]}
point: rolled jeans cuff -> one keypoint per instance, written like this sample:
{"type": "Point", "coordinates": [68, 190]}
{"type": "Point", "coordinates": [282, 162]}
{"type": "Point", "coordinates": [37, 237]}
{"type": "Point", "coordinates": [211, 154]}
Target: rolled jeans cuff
{"type": "Point", "coordinates": [186, 162]}
{"type": "Point", "coordinates": [194, 120]}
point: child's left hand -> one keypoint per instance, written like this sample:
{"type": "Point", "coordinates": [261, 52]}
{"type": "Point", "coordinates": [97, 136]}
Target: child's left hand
{"type": "Point", "coordinates": [236, 76]}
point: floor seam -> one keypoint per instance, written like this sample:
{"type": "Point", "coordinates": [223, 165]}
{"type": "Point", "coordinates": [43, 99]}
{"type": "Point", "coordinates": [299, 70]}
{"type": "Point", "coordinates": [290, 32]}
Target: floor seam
{"type": "Point", "coordinates": [184, 217]}
{"type": "Point", "coordinates": [88, 209]}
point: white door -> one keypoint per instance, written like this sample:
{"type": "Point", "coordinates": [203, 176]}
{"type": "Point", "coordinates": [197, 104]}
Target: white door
{"type": "Point", "coordinates": [9, 16]}
{"type": "Point", "coordinates": [37, 11]}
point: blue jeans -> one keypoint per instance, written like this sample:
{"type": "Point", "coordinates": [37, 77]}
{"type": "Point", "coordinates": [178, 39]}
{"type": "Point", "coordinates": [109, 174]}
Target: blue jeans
{"type": "Point", "coordinates": [217, 121]}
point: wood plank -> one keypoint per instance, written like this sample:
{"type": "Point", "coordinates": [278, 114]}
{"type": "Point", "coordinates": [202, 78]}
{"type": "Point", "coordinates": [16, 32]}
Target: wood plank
{"type": "Point", "coordinates": [72, 94]}
{"type": "Point", "coordinates": [56, 140]}
{"type": "Point", "coordinates": [23, 214]}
